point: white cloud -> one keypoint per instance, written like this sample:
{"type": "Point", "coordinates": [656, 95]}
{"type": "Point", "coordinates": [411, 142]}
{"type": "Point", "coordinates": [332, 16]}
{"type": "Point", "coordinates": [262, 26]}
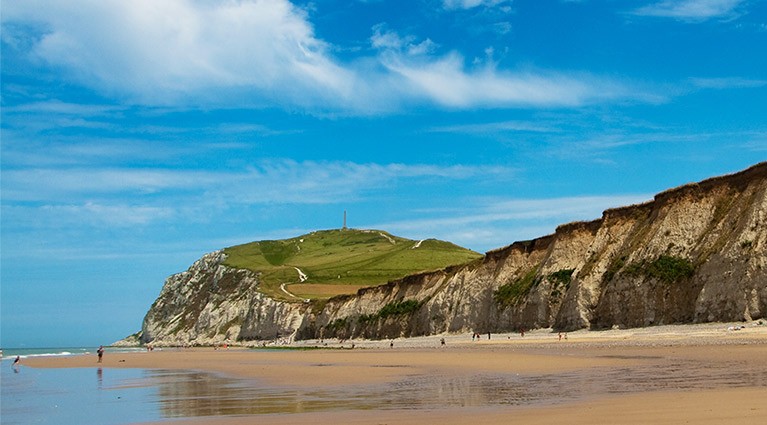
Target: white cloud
{"type": "Point", "coordinates": [257, 53]}
{"type": "Point", "coordinates": [425, 47]}
{"type": "Point", "coordinates": [447, 82]}
{"type": "Point", "coordinates": [388, 40]}
{"type": "Point", "coordinates": [383, 38]}
{"type": "Point", "coordinates": [690, 10]}
{"type": "Point", "coordinates": [160, 51]}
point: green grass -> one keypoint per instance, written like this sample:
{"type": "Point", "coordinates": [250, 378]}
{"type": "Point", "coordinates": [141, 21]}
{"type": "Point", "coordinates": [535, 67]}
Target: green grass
{"type": "Point", "coordinates": [342, 257]}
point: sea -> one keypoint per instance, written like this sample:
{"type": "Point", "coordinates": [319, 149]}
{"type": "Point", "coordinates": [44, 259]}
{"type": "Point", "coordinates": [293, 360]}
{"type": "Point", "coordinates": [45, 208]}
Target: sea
{"type": "Point", "coordinates": [74, 395]}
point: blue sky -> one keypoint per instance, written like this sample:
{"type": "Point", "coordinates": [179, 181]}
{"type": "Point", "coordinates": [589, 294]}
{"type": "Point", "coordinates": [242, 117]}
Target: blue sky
{"type": "Point", "coordinates": [137, 136]}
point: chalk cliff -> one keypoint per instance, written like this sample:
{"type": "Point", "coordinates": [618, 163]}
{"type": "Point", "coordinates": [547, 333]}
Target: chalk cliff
{"type": "Point", "coordinates": [697, 253]}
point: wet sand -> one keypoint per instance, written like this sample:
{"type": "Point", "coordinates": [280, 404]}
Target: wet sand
{"type": "Point", "coordinates": [671, 374]}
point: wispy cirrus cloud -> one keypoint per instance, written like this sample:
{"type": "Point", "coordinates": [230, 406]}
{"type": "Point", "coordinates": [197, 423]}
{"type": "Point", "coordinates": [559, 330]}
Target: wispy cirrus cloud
{"type": "Point", "coordinates": [276, 181]}
{"type": "Point", "coordinates": [112, 214]}
{"type": "Point", "coordinates": [58, 107]}
{"type": "Point", "coordinates": [602, 146]}
{"type": "Point", "coordinates": [727, 83]}
{"type": "Point", "coordinates": [492, 223]}
{"type": "Point", "coordinates": [691, 10]}
{"type": "Point", "coordinates": [446, 81]}
{"type": "Point", "coordinates": [56, 201]}
{"type": "Point", "coordinates": [757, 145]}
{"type": "Point", "coordinates": [496, 127]}
{"type": "Point", "coordinates": [470, 4]}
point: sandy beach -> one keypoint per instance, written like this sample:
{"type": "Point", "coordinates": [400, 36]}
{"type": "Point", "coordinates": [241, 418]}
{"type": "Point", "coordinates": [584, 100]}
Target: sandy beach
{"type": "Point", "coordinates": [709, 374]}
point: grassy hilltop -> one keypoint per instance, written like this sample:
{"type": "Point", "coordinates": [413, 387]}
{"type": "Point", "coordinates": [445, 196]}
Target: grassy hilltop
{"type": "Point", "coordinates": [331, 262]}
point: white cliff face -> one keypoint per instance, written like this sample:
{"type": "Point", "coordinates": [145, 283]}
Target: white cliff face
{"type": "Point", "coordinates": [693, 254]}
{"type": "Point", "coordinates": [211, 303]}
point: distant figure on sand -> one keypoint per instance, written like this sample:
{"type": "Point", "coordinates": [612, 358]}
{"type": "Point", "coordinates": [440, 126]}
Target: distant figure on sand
{"type": "Point", "coordinates": [100, 352]}
{"type": "Point", "coordinates": [442, 341]}
{"type": "Point", "coordinates": [16, 361]}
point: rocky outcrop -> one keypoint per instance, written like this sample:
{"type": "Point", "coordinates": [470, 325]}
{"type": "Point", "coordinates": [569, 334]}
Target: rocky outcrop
{"type": "Point", "coordinates": [697, 253]}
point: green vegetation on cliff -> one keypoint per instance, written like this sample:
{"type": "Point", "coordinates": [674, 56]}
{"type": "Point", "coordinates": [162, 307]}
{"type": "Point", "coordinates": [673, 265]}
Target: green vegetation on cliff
{"type": "Point", "coordinates": [331, 262]}
{"type": "Point", "coordinates": [513, 292]}
{"type": "Point", "coordinates": [665, 268]}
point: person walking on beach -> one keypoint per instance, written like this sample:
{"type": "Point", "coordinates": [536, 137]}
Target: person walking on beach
{"type": "Point", "coordinates": [16, 361]}
{"type": "Point", "coordinates": [100, 352]}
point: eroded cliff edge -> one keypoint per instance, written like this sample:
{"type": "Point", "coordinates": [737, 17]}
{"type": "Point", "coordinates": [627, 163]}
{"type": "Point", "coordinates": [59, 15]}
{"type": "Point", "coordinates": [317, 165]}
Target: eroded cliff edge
{"type": "Point", "coordinates": [697, 253]}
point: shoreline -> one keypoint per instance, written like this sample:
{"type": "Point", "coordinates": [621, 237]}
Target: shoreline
{"type": "Point", "coordinates": [681, 370]}
{"type": "Point", "coordinates": [675, 334]}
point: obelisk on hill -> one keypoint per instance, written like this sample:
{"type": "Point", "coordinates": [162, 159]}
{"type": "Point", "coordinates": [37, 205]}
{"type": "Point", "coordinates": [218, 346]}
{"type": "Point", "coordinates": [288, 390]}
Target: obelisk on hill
{"type": "Point", "coordinates": [344, 228]}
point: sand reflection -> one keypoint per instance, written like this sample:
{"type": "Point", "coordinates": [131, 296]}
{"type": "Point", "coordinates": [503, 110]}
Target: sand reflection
{"type": "Point", "coordinates": [194, 394]}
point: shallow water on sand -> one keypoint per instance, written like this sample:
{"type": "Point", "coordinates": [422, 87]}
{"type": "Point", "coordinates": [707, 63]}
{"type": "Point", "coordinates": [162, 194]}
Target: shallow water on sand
{"type": "Point", "coordinates": [73, 396]}
{"type": "Point", "coordinates": [120, 396]}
